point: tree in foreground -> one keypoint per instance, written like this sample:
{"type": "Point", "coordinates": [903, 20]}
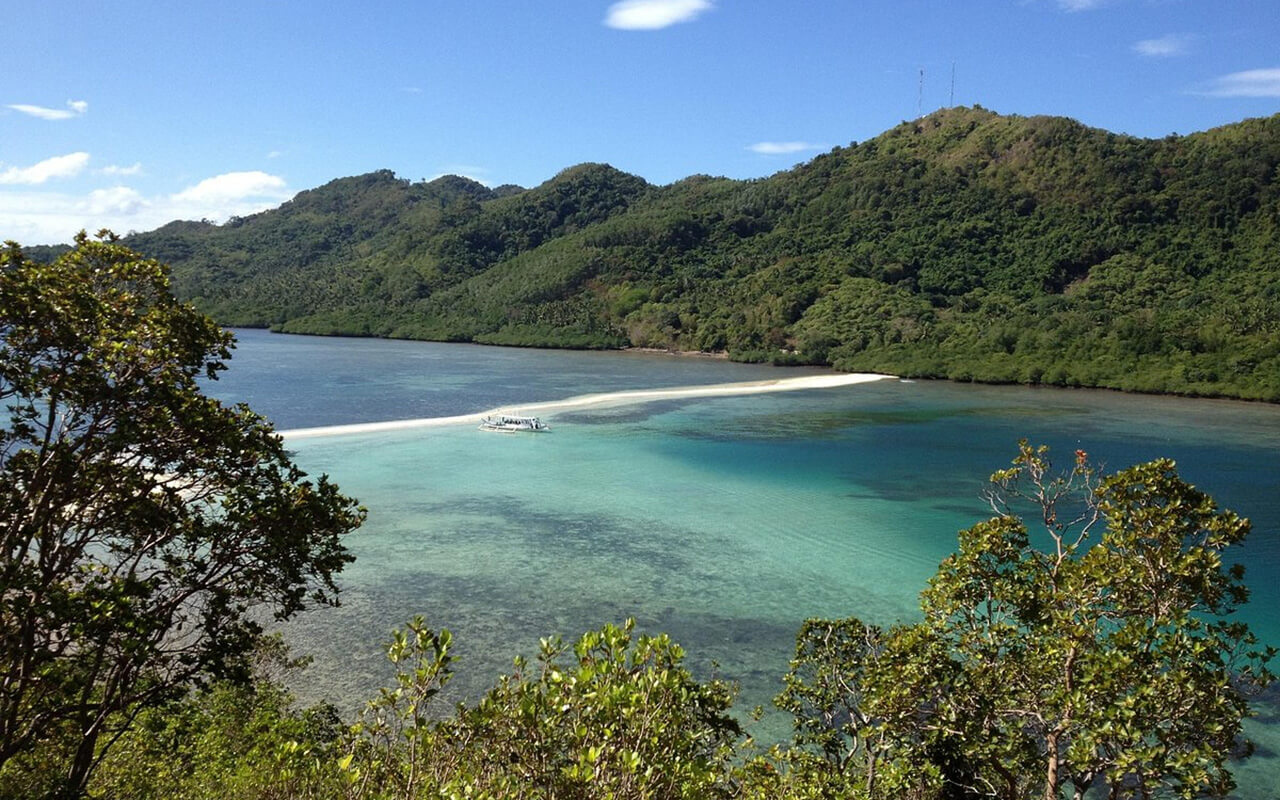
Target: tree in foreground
{"type": "Point", "coordinates": [1097, 652]}
{"type": "Point", "coordinates": [145, 529]}
{"type": "Point", "coordinates": [615, 716]}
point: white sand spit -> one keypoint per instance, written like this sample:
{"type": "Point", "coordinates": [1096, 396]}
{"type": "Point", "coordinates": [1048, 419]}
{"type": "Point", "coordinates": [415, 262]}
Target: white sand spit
{"type": "Point", "coordinates": [605, 400]}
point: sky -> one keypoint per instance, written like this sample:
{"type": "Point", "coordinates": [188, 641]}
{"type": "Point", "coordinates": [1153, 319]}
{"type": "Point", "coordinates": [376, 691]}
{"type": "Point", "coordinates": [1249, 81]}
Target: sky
{"type": "Point", "coordinates": [133, 113]}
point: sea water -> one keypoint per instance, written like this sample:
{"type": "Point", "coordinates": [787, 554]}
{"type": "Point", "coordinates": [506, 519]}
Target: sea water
{"type": "Point", "coordinates": [724, 522]}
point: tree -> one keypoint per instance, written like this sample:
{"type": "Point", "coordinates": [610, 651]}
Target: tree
{"type": "Point", "coordinates": [615, 716]}
{"type": "Point", "coordinates": [230, 741]}
{"type": "Point", "coordinates": [847, 701]}
{"type": "Point", "coordinates": [1049, 661]}
{"type": "Point", "coordinates": [146, 531]}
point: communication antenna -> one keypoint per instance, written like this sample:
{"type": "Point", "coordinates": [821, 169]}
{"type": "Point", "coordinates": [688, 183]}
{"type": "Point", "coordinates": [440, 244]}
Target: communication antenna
{"type": "Point", "coordinates": [952, 102]}
{"type": "Point", "coordinates": [920, 94]}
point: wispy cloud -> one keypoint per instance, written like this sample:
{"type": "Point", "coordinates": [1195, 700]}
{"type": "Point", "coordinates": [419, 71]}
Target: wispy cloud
{"type": "Point", "coordinates": [1079, 5]}
{"type": "Point", "coordinates": [114, 169]}
{"type": "Point", "coordinates": [1249, 83]}
{"type": "Point", "coordinates": [35, 216]}
{"type": "Point", "coordinates": [67, 166]}
{"type": "Point", "coordinates": [783, 148]}
{"type": "Point", "coordinates": [118, 200]}
{"type": "Point", "coordinates": [74, 109]}
{"type": "Point", "coordinates": [230, 187]}
{"type": "Point", "coordinates": [1174, 44]}
{"type": "Point", "coordinates": [651, 15]}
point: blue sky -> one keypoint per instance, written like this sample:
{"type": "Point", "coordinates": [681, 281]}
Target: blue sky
{"type": "Point", "coordinates": [129, 114]}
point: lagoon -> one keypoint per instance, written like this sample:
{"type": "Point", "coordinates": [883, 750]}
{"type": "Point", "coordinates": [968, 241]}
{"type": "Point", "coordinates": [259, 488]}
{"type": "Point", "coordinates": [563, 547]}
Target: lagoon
{"type": "Point", "coordinates": [724, 521]}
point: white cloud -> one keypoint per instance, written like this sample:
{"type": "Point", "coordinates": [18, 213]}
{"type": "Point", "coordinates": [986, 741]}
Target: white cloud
{"type": "Point", "coordinates": [649, 15]}
{"type": "Point", "coordinates": [113, 169]}
{"type": "Point", "coordinates": [1079, 5]}
{"type": "Point", "coordinates": [1172, 45]}
{"type": "Point", "coordinates": [67, 166]}
{"type": "Point", "coordinates": [114, 201]}
{"type": "Point", "coordinates": [38, 217]}
{"type": "Point", "coordinates": [1250, 83]}
{"type": "Point", "coordinates": [43, 217]}
{"type": "Point", "coordinates": [231, 187]}
{"type": "Point", "coordinates": [783, 148]}
{"type": "Point", "coordinates": [74, 108]}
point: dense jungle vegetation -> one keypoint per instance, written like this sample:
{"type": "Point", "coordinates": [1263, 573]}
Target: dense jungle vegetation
{"type": "Point", "coordinates": [965, 245]}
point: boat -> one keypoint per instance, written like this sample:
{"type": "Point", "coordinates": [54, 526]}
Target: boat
{"type": "Point", "coordinates": [503, 423]}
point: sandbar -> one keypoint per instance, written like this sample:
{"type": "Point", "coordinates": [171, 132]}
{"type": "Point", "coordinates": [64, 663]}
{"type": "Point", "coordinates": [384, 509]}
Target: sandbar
{"type": "Point", "coordinates": [602, 400]}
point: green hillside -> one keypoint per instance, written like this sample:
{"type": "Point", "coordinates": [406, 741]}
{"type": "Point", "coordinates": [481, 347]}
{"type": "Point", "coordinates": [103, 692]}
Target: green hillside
{"type": "Point", "coordinates": [965, 244]}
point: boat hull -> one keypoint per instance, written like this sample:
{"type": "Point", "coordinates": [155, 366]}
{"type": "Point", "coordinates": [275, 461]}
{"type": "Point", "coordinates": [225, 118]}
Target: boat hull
{"type": "Point", "coordinates": [508, 424]}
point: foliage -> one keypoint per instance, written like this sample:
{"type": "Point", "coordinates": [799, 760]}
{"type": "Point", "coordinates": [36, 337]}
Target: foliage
{"type": "Point", "coordinates": [616, 716]}
{"type": "Point", "coordinates": [229, 741]}
{"type": "Point", "coordinates": [963, 245]}
{"type": "Point", "coordinates": [842, 694]}
{"type": "Point", "coordinates": [1045, 662]}
{"type": "Point", "coordinates": [145, 530]}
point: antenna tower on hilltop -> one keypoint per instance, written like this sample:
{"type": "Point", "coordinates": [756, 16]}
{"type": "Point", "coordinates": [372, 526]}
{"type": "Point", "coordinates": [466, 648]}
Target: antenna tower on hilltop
{"type": "Point", "coordinates": [952, 102]}
{"type": "Point", "coordinates": [920, 94]}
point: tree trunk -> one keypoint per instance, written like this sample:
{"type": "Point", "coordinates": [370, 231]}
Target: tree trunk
{"type": "Point", "coordinates": [78, 776]}
{"type": "Point", "coordinates": [1051, 779]}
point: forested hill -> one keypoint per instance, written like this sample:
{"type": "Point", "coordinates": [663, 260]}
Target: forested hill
{"type": "Point", "coordinates": [966, 245]}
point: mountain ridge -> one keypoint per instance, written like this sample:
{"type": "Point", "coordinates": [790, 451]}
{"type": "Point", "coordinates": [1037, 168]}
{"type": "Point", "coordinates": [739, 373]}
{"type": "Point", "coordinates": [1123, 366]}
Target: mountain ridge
{"type": "Point", "coordinates": [965, 244]}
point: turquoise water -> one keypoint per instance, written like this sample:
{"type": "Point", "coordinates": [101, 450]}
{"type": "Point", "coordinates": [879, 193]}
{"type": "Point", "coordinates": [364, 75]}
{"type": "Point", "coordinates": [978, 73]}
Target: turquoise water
{"type": "Point", "coordinates": [724, 522]}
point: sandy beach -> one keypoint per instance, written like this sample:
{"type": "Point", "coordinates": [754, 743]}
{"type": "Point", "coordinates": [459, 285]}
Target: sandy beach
{"type": "Point", "coordinates": [604, 400]}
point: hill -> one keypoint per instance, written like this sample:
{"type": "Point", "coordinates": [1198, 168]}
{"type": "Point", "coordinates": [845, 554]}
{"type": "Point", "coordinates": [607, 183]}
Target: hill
{"type": "Point", "coordinates": [966, 245]}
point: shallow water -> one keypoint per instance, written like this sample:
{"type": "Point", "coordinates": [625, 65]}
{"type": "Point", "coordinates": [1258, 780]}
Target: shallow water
{"type": "Point", "coordinates": [722, 521]}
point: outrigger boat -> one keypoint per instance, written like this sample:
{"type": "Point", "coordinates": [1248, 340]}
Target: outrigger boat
{"type": "Point", "coordinates": [508, 424]}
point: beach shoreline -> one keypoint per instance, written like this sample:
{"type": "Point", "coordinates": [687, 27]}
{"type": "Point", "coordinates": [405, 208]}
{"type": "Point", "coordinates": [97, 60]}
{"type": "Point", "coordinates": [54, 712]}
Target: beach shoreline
{"type": "Point", "coordinates": [661, 351]}
{"type": "Point", "coordinates": [600, 400]}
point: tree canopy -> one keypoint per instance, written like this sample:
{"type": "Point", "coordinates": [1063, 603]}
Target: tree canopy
{"type": "Point", "coordinates": [1080, 638]}
{"type": "Point", "coordinates": [146, 531]}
